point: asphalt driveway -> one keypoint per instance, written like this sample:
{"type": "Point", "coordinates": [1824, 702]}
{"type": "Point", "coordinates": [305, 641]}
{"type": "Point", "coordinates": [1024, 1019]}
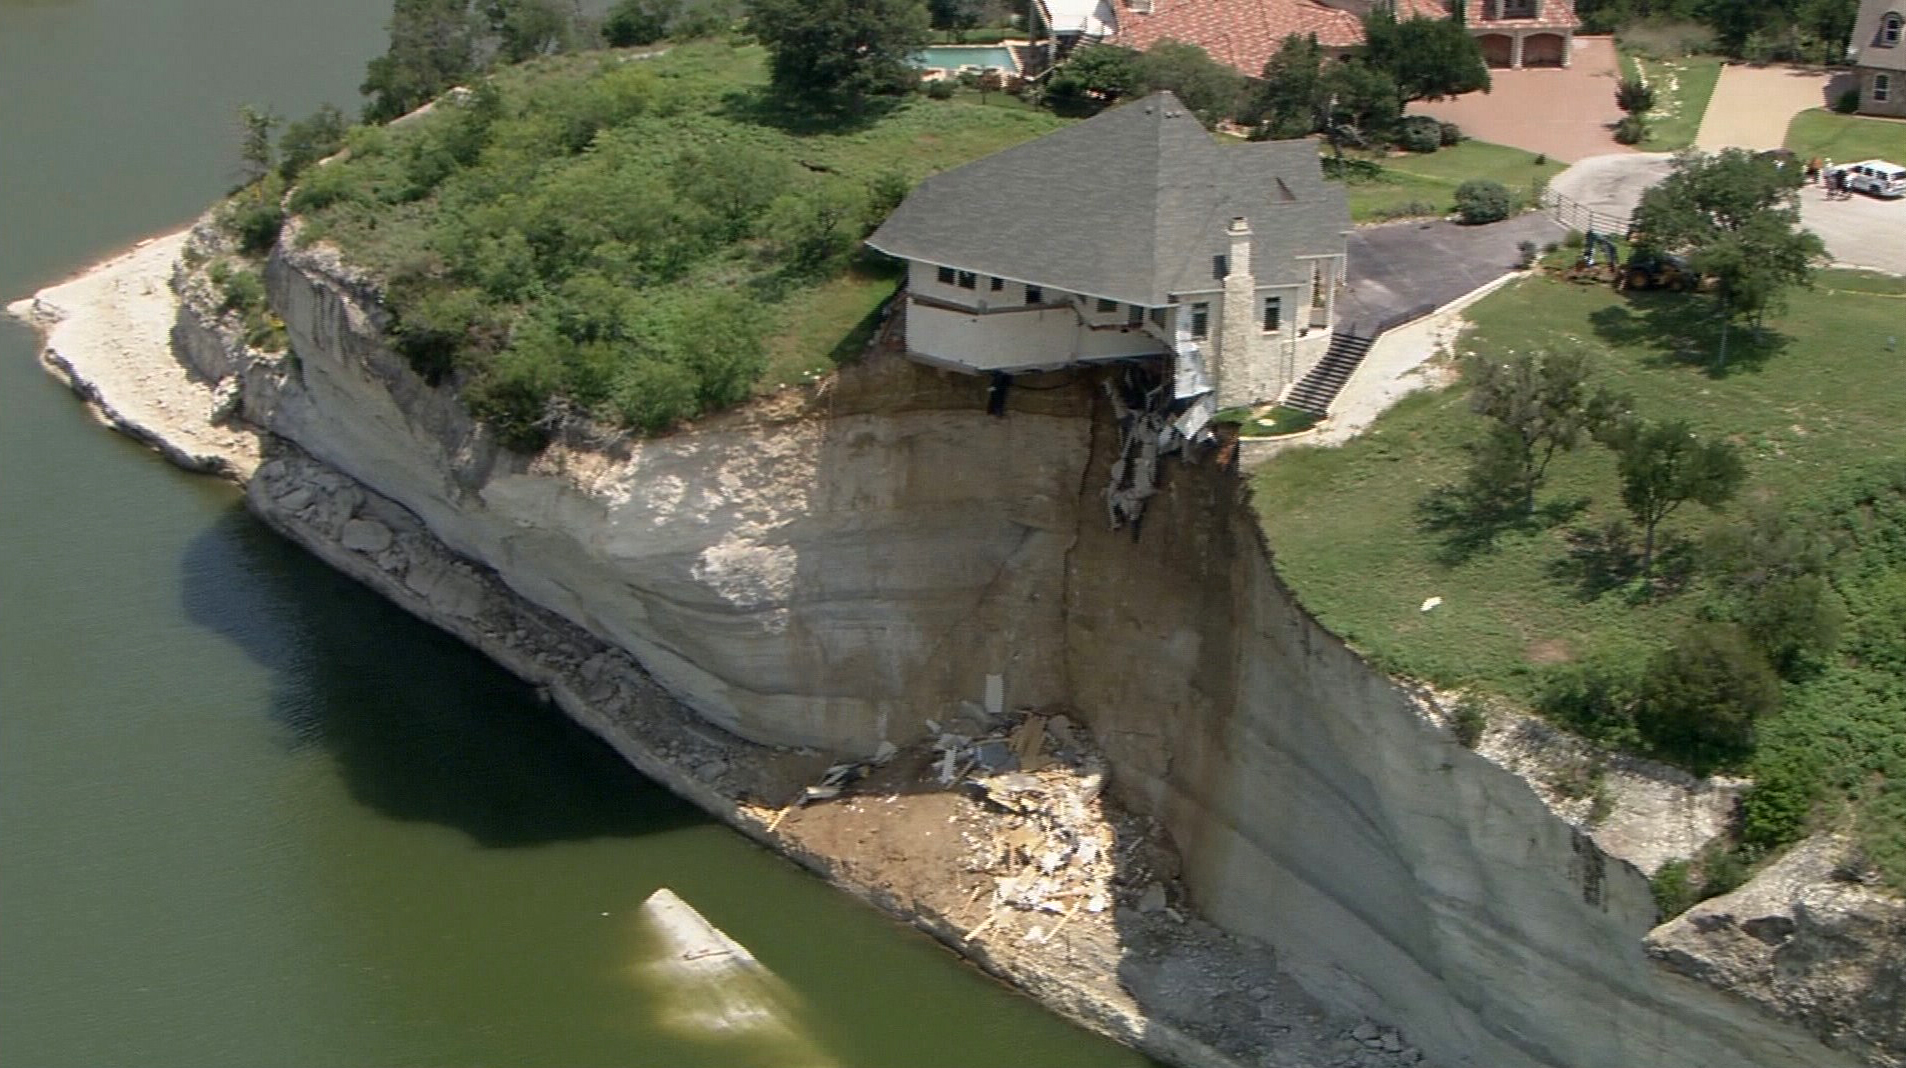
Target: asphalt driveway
{"type": "Point", "coordinates": [1419, 266]}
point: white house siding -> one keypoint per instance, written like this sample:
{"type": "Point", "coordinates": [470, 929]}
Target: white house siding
{"type": "Point", "coordinates": [1016, 340]}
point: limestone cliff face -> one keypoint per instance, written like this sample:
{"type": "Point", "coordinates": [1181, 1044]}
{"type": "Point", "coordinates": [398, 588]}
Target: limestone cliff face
{"type": "Point", "coordinates": [836, 568]}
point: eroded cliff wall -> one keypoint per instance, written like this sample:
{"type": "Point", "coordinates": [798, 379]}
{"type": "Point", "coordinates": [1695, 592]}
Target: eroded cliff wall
{"type": "Point", "coordinates": [834, 569]}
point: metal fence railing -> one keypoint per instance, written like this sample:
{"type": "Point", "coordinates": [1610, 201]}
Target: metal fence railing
{"type": "Point", "coordinates": [1578, 216]}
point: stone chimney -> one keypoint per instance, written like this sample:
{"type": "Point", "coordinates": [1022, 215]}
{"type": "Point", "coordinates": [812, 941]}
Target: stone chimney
{"type": "Point", "coordinates": [1240, 259]}
{"type": "Point", "coordinates": [1236, 372]}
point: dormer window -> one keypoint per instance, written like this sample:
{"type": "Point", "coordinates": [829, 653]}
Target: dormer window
{"type": "Point", "coordinates": [1889, 29]}
{"type": "Point", "coordinates": [1518, 9]}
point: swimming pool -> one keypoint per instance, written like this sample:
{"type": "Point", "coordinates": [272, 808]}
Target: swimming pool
{"type": "Point", "coordinates": [953, 57]}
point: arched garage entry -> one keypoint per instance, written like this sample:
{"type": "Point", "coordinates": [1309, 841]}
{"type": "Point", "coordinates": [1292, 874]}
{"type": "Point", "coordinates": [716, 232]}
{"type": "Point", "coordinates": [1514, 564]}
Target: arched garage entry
{"type": "Point", "coordinates": [1498, 49]}
{"type": "Point", "coordinates": [1543, 50]}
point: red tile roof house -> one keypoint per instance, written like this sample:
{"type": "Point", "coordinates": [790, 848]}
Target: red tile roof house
{"type": "Point", "coordinates": [1246, 33]}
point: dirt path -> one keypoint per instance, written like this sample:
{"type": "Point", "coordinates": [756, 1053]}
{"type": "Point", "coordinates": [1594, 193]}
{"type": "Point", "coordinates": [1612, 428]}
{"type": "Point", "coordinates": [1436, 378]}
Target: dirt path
{"type": "Point", "coordinates": [1752, 106]}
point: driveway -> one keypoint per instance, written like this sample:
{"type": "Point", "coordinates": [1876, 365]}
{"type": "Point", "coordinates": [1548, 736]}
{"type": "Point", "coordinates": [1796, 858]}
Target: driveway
{"type": "Point", "coordinates": [1418, 266]}
{"type": "Point", "coordinates": [1566, 113]}
{"type": "Point", "coordinates": [1860, 231]}
{"type": "Point", "coordinates": [1753, 105]}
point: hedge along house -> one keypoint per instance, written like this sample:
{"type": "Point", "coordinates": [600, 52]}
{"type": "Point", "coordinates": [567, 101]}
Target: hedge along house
{"type": "Point", "coordinates": [1132, 235]}
{"type": "Point", "coordinates": [1878, 54]}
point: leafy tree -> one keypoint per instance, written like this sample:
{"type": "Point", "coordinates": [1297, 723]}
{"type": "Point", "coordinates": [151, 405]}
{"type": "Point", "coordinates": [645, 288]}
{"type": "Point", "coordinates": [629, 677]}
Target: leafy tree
{"type": "Point", "coordinates": [432, 47]}
{"type": "Point", "coordinates": [1290, 98]}
{"type": "Point", "coordinates": [735, 185]}
{"type": "Point", "coordinates": [309, 140]}
{"type": "Point", "coordinates": [1701, 698]}
{"type": "Point", "coordinates": [813, 229]}
{"type": "Point", "coordinates": [956, 15]}
{"type": "Point", "coordinates": [1097, 74]}
{"type": "Point", "coordinates": [1209, 88]}
{"type": "Point", "coordinates": [1663, 466]}
{"type": "Point", "coordinates": [639, 22]}
{"type": "Point", "coordinates": [1362, 103]}
{"type": "Point", "coordinates": [837, 53]}
{"type": "Point", "coordinates": [1769, 575]}
{"type": "Point", "coordinates": [1427, 58]}
{"type": "Point", "coordinates": [255, 149]}
{"type": "Point", "coordinates": [1737, 218]}
{"type": "Point", "coordinates": [1634, 96]}
{"type": "Point", "coordinates": [526, 28]}
{"type": "Point", "coordinates": [1541, 406]}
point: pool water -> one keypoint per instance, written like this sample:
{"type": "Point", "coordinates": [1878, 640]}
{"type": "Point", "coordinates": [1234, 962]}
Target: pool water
{"type": "Point", "coordinates": [954, 57]}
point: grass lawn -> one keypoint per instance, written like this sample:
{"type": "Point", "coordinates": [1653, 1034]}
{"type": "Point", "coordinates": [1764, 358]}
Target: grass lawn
{"type": "Point", "coordinates": [825, 325]}
{"type": "Point", "coordinates": [1682, 89]}
{"type": "Point", "coordinates": [1812, 405]}
{"type": "Point", "coordinates": [1345, 521]}
{"type": "Point", "coordinates": [1412, 184]}
{"type": "Point", "coordinates": [1846, 138]}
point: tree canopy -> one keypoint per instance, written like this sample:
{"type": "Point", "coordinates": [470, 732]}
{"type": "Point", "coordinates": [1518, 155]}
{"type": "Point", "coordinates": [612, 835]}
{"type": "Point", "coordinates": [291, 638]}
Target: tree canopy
{"type": "Point", "coordinates": [1209, 88]}
{"type": "Point", "coordinates": [1427, 58]}
{"type": "Point", "coordinates": [1665, 465]}
{"type": "Point", "coordinates": [1737, 218]}
{"type": "Point", "coordinates": [837, 53]}
{"type": "Point", "coordinates": [1539, 405]}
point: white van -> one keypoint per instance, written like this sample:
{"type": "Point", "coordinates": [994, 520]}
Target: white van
{"type": "Point", "coordinates": [1876, 176]}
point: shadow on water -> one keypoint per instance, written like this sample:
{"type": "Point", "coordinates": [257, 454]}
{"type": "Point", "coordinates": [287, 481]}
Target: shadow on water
{"type": "Point", "coordinates": [422, 727]}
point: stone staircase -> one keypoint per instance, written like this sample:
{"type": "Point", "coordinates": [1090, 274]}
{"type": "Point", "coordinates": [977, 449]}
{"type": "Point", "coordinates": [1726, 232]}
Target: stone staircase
{"type": "Point", "coordinates": [1315, 392]}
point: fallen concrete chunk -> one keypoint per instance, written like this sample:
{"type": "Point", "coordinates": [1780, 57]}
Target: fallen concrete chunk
{"type": "Point", "coordinates": [713, 988]}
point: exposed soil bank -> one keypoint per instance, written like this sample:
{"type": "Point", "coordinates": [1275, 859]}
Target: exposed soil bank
{"type": "Point", "coordinates": [834, 569]}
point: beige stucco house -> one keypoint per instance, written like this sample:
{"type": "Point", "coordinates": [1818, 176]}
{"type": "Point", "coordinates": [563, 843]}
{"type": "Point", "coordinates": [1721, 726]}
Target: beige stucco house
{"type": "Point", "coordinates": [1878, 54]}
{"type": "Point", "coordinates": [1134, 234]}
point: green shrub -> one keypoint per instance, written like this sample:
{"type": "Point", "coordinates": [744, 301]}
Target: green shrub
{"type": "Point", "coordinates": [1419, 133]}
{"type": "Point", "coordinates": [1469, 721]}
{"type": "Point", "coordinates": [1847, 102]}
{"type": "Point", "coordinates": [1631, 130]}
{"type": "Point", "coordinates": [1480, 200]}
{"type": "Point", "coordinates": [1674, 889]}
{"type": "Point", "coordinates": [1701, 698]}
{"type": "Point", "coordinates": [1450, 134]}
{"type": "Point", "coordinates": [941, 89]}
{"type": "Point", "coordinates": [1595, 698]}
{"type": "Point", "coordinates": [1634, 96]}
{"type": "Point", "coordinates": [1409, 209]}
{"type": "Point", "coordinates": [638, 22]}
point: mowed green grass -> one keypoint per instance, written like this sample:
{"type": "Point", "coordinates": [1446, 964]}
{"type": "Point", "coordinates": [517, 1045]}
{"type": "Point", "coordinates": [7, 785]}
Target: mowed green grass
{"type": "Point", "coordinates": [1846, 138]}
{"type": "Point", "coordinates": [1683, 88]}
{"type": "Point", "coordinates": [1431, 178]}
{"type": "Point", "coordinates": [1344, 522]}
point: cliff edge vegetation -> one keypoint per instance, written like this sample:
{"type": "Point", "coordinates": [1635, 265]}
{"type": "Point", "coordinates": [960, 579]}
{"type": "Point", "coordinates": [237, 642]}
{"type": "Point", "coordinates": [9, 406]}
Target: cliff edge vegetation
{"type": "Point", "coordinates": [1766, 637]}
{"type": "Point", "coordinates": [634, 239]}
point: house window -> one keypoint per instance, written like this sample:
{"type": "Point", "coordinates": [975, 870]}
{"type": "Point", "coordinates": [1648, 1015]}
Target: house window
{"type": "Point", "coordinates": [1200, 320]}
{"type": "Point", "coordinates": [1219, 267]}
{"type": "Point", "coordinates": [1889, 31]}
{"type": "Point", "coordinates": [996, 284]}
{"type": "Point", "coordinates": [1882, 87]}
{"type": "Point", "coordinates": [1134, 315]}
{"type": "Point", "coordinates": [1273, 314]}
{"type": "Point", "coordinates": [1158, 318]}
{"type": "Point", "coordinates": [1319, 285]}
{"type": "Point", "coordinates": [1107, 306]}
{"type": "Point", "coordinates": [969, 280]}
{"type": "Point", "coordinates": [1035, 295]}
{"type": "Point", "coordinates": [946, 276]}
{"type": "Point", "coordinates": [1518, 9]}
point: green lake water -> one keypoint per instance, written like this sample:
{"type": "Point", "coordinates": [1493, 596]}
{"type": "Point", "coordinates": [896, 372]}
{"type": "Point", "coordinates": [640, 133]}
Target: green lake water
{"type": "Point", "coordinates": [250, 814]}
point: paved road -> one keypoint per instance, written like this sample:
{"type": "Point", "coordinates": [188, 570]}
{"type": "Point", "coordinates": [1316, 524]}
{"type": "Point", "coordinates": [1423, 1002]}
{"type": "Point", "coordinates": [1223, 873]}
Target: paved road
{"type": "Point", "coordinates": [1422, 265]}
{"type": "Point", "coordinates": [1861, 231]}
{"type": "Point", "coordinates": [1565, 112]}
{"type": "Point", "coordinates": [1753, 105]}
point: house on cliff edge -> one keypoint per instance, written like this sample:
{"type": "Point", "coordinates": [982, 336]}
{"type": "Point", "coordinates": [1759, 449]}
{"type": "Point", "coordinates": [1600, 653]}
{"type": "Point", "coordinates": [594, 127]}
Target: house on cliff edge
{"type": "Point", "coordinates": [1134, 234]}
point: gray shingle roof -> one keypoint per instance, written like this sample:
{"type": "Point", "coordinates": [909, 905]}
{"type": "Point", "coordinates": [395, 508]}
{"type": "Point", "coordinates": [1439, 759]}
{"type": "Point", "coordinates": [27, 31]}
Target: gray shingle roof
{"type": "Point", "coordinates": [1130, 205]}
{"type": "Point", "coordinates": [1866, 47]}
